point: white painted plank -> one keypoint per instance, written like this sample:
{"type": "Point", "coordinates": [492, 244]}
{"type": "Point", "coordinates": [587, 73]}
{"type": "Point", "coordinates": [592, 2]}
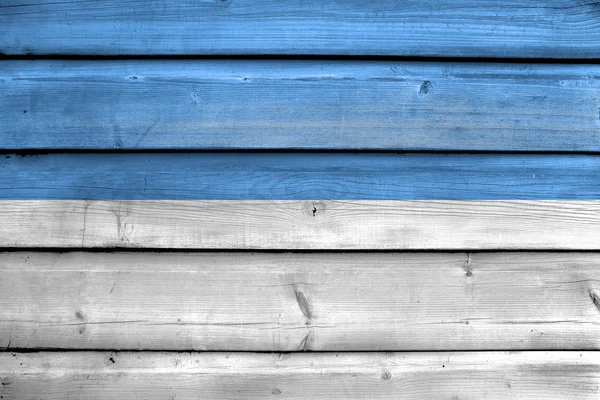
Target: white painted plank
{"type": "Point", "coordinates": [486, 28]}
{"type": "Point", "coordinates": [368, 225]}
{"type": "Point", "coordinates": [237, 104]}
{"type": "Point", "coordinates": [299, 301]}
{"type": "Point", "coordinates": [483, 375]}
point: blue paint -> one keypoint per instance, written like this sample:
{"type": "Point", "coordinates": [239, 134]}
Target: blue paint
{"type": "Point", "coordinates": [295, 176]}
{"type": "Point", "coordinates": [297, 104]}
{"type": "Point", "coordinates": [483, 28]}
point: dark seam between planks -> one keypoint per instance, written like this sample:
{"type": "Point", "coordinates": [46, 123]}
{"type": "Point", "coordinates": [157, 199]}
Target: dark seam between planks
{"type": "Point", "coordinates": [153, 250]}
{"type": "Point", "coordinates": [32, 152]}
{"type": "Point", "coordinates": [107, 350]}
{"type": "Point", "coordinates": [283, 57]}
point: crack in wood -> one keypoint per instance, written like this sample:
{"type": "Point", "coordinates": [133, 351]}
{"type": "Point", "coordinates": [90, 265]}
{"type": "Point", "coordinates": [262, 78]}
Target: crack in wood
{"type": "Point", "coordinates": [304, 304]}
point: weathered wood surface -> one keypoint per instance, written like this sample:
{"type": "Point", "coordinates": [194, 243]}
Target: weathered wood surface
{"type": "Point", "coordinates": [237, 104]}
{"type": "Point", "coordinates": [386, 225]}
{"type": "Point", "coordinates": [486, 28]}
{"type": "Point", "coordinates": [448, 375]}
{"type": "Point", "coordinates": [300, 302]}
{"type": "Point", "coordinates": [299, 176]}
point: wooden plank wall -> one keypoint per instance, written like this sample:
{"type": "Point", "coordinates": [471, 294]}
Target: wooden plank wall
{"type": "Point", "coordinates": [238, 199]}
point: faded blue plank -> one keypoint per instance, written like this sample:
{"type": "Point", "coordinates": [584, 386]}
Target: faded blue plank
{"type": "Point", "coordinates": [297, 176]}
{"type": "Point", "coordinates": [235, 104]}
{"type": "Point", "coordinates": [483, 28]}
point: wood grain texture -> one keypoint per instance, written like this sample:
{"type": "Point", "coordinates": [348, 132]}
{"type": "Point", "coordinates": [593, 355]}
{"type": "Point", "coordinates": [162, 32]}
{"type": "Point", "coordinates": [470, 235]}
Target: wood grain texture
{"type": "Point", "coordinates": [386, 225]}
{"type": "Point", "coordinates": [233, 104]}
{"type": "Point", "coordinates": [300, 302]}
{"type": "Point", "coordinates": [457, 28]}
{"type": "Point", "coordinates": [299, 176]}
{"type": "Point", "coordinates": [448, 375]}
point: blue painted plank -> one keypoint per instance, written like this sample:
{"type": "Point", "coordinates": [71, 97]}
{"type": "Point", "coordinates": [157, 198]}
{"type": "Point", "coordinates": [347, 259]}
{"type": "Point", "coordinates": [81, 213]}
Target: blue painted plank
{"type": "Point", "coordinates": [483, 28]}
{"type": "Point", "coordinates": [234, 104]}
{"type": "Point", "coordinates": [299, 176]}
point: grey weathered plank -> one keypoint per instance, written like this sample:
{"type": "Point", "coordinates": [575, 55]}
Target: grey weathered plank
{"type": "Point", "coordinates": [132, 105]}
{"type": "Point", "coordinates": [291, 302]}
{"type": "Point", "coordinates": [215, 224]}
{"type": "Point", "coordinates": [486, 28]}
{"type": "Point", "coordinates": [484, 375]}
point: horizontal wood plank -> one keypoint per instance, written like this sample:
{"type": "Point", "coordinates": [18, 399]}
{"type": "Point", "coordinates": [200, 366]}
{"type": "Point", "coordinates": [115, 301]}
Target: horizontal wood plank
{"type": "Point", "coordinates": [300, 302]}
{"type": "Point", "coordinates": [299, 176]}
{"type": "Point", "coordinates": [233, 104]}
{"type": "Point", "coordinates": [489, 375]}
{"type": "Point", "coordinates": [458, 28]}
{"type": "Point", "coordinates": [385, 225]}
